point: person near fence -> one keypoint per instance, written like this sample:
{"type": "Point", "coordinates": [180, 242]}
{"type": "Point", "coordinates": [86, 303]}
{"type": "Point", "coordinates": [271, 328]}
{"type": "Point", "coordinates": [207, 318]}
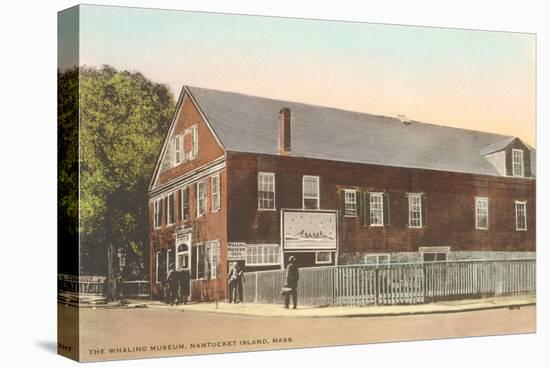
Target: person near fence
{"type": "Point", "coordinates": [232, 283]}
{"type": "Point", "coordinates": [171, 285]}
{"type": "Point", "coordinates": [239, 285]}
{"type": "Point", "coordinates": [183, 285]}
{"type": "Point", "coordinates": [292, 277]}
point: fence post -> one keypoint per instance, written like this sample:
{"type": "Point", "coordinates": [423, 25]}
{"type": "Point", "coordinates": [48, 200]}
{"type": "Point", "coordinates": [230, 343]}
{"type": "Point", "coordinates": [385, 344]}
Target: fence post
{"type": "Point", "coordinates": [376, 290]}
{"type": "Point", "coordinates": [256, 289]}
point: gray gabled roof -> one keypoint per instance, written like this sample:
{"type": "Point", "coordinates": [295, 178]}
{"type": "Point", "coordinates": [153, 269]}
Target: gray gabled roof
{"type": "Point", "coordinates": [246, 123]}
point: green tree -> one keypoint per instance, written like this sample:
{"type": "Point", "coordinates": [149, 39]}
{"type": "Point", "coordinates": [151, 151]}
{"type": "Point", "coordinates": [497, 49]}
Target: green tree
{"type": "Point", "coordinates": [123, 119]}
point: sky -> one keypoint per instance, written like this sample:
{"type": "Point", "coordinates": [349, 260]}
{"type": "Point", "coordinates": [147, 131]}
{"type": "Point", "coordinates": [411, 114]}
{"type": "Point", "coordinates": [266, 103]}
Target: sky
{"type": "Point", "coordinates": [478, 80]}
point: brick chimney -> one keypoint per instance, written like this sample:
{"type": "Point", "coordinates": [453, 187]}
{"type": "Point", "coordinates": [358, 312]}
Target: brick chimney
{"type": "Point", "coordinates": [284, 131]}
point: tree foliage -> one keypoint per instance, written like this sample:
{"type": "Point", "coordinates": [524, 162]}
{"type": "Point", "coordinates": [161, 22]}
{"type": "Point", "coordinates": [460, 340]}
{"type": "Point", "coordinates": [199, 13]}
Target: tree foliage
{"type": "Point", "coordinates": [123, 118]}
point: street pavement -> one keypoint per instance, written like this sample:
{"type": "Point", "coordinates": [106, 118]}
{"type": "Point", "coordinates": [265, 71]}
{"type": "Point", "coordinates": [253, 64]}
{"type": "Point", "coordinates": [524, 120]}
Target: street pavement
{"type": "Point", "coordinates": [159, 330]}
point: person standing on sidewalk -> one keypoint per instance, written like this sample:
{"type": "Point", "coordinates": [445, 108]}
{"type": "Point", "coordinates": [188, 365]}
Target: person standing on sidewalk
{"type": "Point", "coordinates": [172, 285]}
{"type": "Point", "coordinates": [239, 285]}
{"type": "Point", "coordinates": [184, 287]}
{"type": "Point", "coordinates": [232, 283]}
{"type": "Point", "coordinates": [292, 277]}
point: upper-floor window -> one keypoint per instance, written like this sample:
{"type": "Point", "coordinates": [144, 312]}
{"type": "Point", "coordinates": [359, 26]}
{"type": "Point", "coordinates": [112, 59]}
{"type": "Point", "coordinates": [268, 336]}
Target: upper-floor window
{"type": "Point", "coordinates": [191, 142]}
{"type": "Point", "coordinates": [350, 203]}
{"type": "Point", "coordinates": [170, 209]}
{"type": "Point", "coordinates": [266, 190]}
{"type": "Point", "coordinates": [184, 203]}
{"type": "Point", "coordinates": [517, 163]}
{"type": "Point", "coordinates": [310, 190]}
{"type": "Point", "coordinates": [521, 215]}
{"type": "Point", "coordinates": [201, 198]}
{"type": "Point", "coordinates": [482, 213]}
{"type": "Point", "coordinates": [157, 213]}
{"type": "Point", "coordinates": [415, 210]}
{"type": "Point", "coordinates": [179, 155]}
{"type": "Point", "coordinates": [376, 209]}
{"type": "Point", "coordinates": [215, 192]}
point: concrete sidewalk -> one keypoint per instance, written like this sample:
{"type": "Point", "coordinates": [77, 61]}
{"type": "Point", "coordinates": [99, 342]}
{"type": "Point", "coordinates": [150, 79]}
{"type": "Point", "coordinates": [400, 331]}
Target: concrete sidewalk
{"type": "Point", "coordinates": [275, 310]}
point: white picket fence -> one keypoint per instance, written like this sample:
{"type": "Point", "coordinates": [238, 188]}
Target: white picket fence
{"type": "Point", "coordinates": [410, 283]}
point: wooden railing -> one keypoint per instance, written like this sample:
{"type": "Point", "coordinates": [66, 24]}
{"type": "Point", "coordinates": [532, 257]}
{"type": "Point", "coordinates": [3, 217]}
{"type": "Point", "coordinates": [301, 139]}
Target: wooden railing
{"type": "Point", "coordinates": [93, 287]}
{"type": "Point", "coordinates": [393, 284]}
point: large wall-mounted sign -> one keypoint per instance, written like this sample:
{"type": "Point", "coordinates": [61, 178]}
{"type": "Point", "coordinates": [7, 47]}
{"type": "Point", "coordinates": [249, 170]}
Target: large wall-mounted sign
{"type": "Point", "coordinates": [309, 230]}
{"type": "Point", "coordinates": [236, 251]}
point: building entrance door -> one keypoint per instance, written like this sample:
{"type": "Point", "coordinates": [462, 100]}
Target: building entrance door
{"type": "Point", "coordinates": [183, 251]}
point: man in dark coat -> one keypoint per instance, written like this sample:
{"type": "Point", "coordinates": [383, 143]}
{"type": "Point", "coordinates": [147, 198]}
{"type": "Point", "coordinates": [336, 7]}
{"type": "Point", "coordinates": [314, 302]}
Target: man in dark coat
{"type": "Point", "coordinates": [232, 279]}
{"type": "Point", "coordinates": [292, 277]}
{"type": "Point", "coordinates": [172, 285]}
{"type": "Point", "coordinates": [184, 286]}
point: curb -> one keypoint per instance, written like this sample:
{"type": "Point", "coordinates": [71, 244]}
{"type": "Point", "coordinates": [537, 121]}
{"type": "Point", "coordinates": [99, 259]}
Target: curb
{"type": "Point", "coordinates": [373, 314]}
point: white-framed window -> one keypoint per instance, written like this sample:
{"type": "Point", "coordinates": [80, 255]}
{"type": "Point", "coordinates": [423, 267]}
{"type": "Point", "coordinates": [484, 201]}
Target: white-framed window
{"type": "Point", "coordinates": [376, 209]}
{"type": "Point", "coordinates": [157, 268]}
{"type": "Point", "coordinates": [208, 260]}
{"type": "Point", "coordinates": [157, 213]}
{"type": "Point", "coordinates": [310, 192]}
{"type": "Point", "coordinates": [178, 150]}
{"type": "Point", "coordinates": [482, 213]}
{"type": "Point", "coordinates": [377, 259]}
{"type": "Point", "coordinates": [168, 260]}
{"type": "Point", "coordinates": [182, 256]}
{"type": "Point", "coordinates": [517, 163]}
{"type": "Point", "coordinates": [194, 141]}
{"type": "Point", "coordinates": [215, 192]}
{"type": "Point", "coordinates": [323, 257]}
{"type": "Point", "coordinates": [201, 198]}
{"type": "Point", "coordinates": [184, 203]}
{"type": "Point", "coordinates": [266, 191]}
{"type": "Point", "coordinates": [350, 203]}
{"type": "Point", "coordinates": [434, 256]}
{"type": "Point", "coordinates": [415, 210]}
{"type": "Point", "coordinates": [521, 215]}
{"type": "Point", "coordinates": [262, 255]}
{"type": "Point", "coordinates": [170, 210]}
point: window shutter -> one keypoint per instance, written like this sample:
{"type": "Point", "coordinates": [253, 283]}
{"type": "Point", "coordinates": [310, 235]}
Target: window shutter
{"type": "Point", "coordinates": [386, 200]}
{"type": "Point", "coordinates": [171, 152]}
{"type": "Point", "coordinates": [366, 208]}
{"type": "Point", "coordinates": [359, 205]}
{"type": "Point", "coordinates": [342, 203]}
{"type": "Point", "coordinates": [424, 211]}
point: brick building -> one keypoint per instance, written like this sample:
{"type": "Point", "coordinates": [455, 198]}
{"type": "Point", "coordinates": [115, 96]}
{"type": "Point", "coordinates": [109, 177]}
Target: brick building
{"type": "Point", "coordinates": [249, 179]}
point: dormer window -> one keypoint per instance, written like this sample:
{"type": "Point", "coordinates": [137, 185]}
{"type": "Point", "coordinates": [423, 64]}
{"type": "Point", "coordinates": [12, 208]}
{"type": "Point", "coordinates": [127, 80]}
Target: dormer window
{"type": "Point", "coordinates": [517, 163]}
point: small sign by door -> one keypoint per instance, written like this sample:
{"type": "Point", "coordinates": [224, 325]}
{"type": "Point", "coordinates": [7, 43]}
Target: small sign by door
{"type": "Point", "coordinates": [236, 251]}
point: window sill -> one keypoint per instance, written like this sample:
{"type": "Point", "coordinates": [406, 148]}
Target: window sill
{"type": "Point", "coordinates": [482, 229]}
{"type": "Point", "coordinates": [415, 227]}
{"type": "Point", "coordinates": [350, 215]}
{"type": "Point", "coordinates": [267, 210]}
{"type": "Point", "coordinates": [263, 264]}
{"type": "Point", "coordinates": [521, 230]}
{"type": "Point", "coordinates": [376, 225]}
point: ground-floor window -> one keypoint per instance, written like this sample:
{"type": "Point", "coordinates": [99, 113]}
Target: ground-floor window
{"type": "Point", "coordinates": [377, 259]}
{"type": "Point", "coordinates": [157, 263]}
{"type": "Point", "coordinates": [264, 254]}
{"type": "Point", "coordinates": [434, 256]}
{"type": "Point", "coordinates": [208, 260]}
{"type": "Point", "coordinates": [323, 257]}
{"type": "Point", "coordinates": [161, 266]}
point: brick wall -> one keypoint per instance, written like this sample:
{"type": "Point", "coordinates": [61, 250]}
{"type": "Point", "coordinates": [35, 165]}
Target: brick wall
{"type": "Point", "coordinates": [450, 205]}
